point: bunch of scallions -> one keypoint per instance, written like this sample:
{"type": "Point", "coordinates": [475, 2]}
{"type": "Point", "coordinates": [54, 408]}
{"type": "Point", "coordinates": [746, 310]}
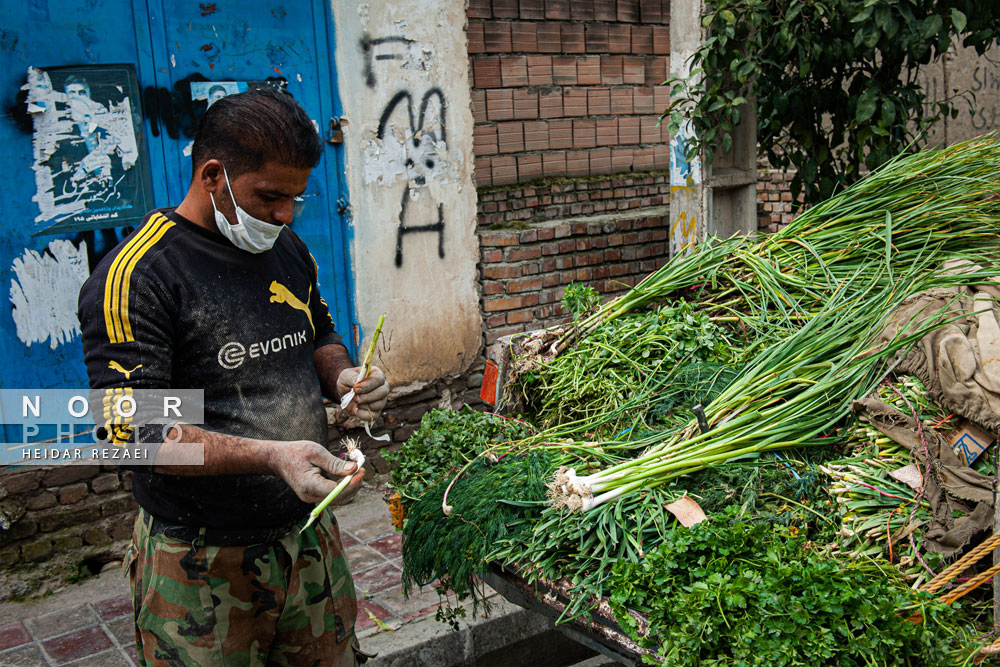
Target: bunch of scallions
{"type": "Point", "coordinates": [830, 281]}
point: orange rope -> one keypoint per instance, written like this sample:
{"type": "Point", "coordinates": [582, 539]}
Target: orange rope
{"type": "Point", "coordinates": [971, 584]}
{"type": "Point", "coordinates": [967, 561]}
{"type": "Point", "coordinates": [942, 420]}
{"type": "Point", "coordinates": [888, 531]}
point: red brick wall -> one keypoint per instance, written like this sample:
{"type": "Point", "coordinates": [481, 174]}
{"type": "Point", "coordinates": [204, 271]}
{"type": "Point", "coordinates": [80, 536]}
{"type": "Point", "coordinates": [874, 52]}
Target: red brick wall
{"type": "Point", "coordinates": [525, 272]}
{"type": "Point", "coordinates": [568, 89]}
{"type": "Point", "coordinates": [571, 162]}
{"type": "Point", "coordinates": [543, 202]}
{"type": "Point", "coordinates": [775, 205]}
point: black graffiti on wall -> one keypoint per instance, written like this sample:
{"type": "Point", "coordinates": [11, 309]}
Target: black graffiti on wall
{"type": "Point", "coordinates": [426, 133]}
{"type": "Point", "coordinates": [373, 51]}
{"type": "Point", "coordinates": [416, 123]}
{"type": "Point", "coordinates": [405, 229]}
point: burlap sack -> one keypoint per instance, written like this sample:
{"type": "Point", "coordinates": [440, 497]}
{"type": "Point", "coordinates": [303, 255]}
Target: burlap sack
{"type": "Point", "coordinates": [961, 499]}
{"type": "Point", "coordinates": [959, 362]}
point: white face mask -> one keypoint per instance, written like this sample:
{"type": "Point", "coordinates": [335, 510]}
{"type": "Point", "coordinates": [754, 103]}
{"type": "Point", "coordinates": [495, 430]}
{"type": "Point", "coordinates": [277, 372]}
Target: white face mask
{"type": "Point", "coordinates": [249, 233]}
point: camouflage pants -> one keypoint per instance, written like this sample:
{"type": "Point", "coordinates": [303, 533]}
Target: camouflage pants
{"type": "Point", "coordinates": [289, 603]}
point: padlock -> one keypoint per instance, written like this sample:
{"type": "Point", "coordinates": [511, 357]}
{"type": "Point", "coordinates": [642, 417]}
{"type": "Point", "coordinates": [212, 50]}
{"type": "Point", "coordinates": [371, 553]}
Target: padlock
{"type": "Point", "coordinates": [336, 133]}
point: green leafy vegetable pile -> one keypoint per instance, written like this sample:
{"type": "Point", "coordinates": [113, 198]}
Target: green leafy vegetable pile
{"type": "Point", "coordinates": [732, 592]}
{"type": "Point", "coordinates": [782, 340]}
{"type": "Point", "coordinates": [444, 443]}
{"type": "Point", "coordinates": [621, 359]}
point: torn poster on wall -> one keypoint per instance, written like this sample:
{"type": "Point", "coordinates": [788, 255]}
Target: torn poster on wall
{"type": "Point", "coordinates": [206, 93]}
{"type": "Point", "coordinates": [90, 160]}
{"type": "Point", "coordinates": [683, 172]}
{"type": "Point", "coordinates": [213, 91]}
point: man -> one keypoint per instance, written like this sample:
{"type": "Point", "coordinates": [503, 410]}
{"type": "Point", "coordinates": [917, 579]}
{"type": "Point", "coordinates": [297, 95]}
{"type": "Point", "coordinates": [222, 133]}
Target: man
{"type": "Point", "coordinates": [219, 295]}
{"type": "Point", "coordinates": [86, 150]}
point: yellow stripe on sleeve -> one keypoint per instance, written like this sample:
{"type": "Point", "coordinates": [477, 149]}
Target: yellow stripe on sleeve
{"type": "Point", "coordinates": [126, 281]}
{"type": "Point", "coordinates": [112, 288]}
{"type": "Point", "coordinates": [119, 428]}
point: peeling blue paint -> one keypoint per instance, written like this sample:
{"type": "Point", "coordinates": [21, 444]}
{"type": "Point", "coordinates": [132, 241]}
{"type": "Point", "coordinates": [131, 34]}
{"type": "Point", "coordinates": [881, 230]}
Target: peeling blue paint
{"type": "Point", "coordinates": [247, 45]}
{"type": "Point", "coordinates": [210, 52]}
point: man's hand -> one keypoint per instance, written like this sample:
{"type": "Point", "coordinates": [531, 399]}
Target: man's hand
{"type": "Point", "coordinates": [302, 464]}
{"type": "Point", "coordinates": [369, 395]}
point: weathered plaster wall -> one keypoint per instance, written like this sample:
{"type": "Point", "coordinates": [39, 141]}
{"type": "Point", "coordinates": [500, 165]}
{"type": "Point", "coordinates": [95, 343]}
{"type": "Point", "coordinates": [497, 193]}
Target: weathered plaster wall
{"type": "Point", "coordinates": [402, 69]}
{"type": "Point", "coordinates": [977, 79]}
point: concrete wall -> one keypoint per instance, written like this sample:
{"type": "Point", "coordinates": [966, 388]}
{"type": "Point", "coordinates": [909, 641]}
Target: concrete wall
{"type": "Point", "coordinates": [964, 71]}
{"type": "Point", "coordinates": [402, 68]}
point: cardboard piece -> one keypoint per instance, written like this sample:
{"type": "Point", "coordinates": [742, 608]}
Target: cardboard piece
{"type": "Point", "coordinates": [687, 511]}
{"type": "Point", "coordinates": [909, 475]}
{"type": "Point", "coordinates": [969, 441]}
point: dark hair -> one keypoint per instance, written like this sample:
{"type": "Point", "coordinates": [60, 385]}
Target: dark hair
{"type": "Point", "coordinates": [77, 80]}
{"type": "Point", "coordinates": [215, 88]}
{"type": "Point", "coordinates": [247, 130]}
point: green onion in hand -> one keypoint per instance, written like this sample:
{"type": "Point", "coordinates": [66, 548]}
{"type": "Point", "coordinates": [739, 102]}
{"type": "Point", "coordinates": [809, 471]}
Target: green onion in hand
{"type": "Point", "coordinates": [353, 453]}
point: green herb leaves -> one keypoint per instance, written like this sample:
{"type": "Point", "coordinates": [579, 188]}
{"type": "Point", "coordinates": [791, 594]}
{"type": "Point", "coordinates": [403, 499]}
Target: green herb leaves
{"type": "Point", "coordinates": [835, 82]}
{"type": "Point", "coordinates": [618, 361]}
{"type": "Point", "coordinates": [731, 592]}
{"type": "Point", "coordinates": [579, 299]}
{"type": "Point", "coordinates": [446, 441]}
{"type": "Point", "coordinates": [492, 503]}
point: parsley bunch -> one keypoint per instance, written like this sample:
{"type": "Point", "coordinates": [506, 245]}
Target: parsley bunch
{"type": "Point", "coordinates": [732, 592]}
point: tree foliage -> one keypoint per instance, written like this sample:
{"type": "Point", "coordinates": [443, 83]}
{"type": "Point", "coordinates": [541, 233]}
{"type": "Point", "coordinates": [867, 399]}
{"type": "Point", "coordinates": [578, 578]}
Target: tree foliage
{"type": "Point", "coordinates": [835, 82]}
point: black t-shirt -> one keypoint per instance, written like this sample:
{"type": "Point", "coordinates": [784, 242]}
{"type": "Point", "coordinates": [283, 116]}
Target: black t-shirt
{"type": "Point", "coordinates": [176, 306]}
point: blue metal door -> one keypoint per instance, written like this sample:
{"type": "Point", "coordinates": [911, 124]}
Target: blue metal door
{"type": "Point", "coordinates": [255, 41]}
{"type": "Point", "coordinates": [179, 52]}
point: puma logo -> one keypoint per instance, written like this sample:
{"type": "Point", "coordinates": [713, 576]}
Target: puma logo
{"type": "Point", "coordinates": [114, 365]}
{"type": "Point", "coordinates": [281, 294]}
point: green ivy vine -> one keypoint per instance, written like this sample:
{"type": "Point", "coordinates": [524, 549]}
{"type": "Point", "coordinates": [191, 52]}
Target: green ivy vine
{"type": "Point", "coordinates": [835, 82]}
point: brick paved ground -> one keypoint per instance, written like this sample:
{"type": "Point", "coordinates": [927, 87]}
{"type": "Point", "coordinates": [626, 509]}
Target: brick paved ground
{"type": "Point", "coordinates": [373, 551]}
{"type": "Point", "coordinates": [100, 632]}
